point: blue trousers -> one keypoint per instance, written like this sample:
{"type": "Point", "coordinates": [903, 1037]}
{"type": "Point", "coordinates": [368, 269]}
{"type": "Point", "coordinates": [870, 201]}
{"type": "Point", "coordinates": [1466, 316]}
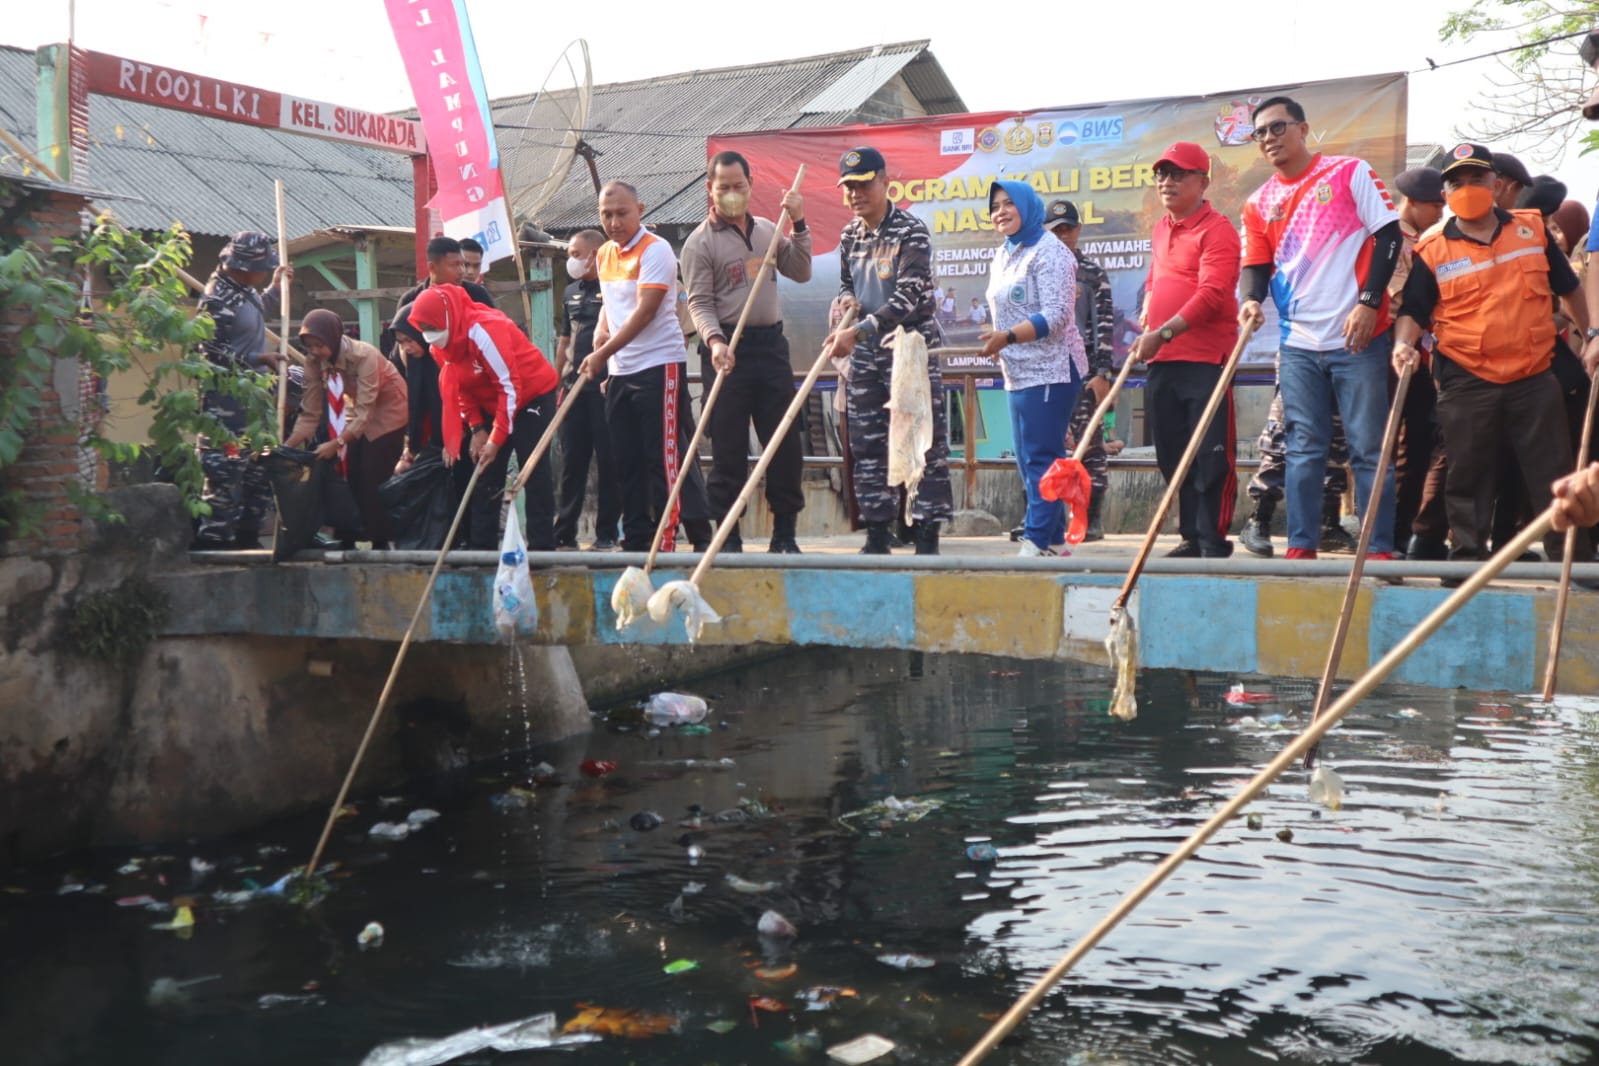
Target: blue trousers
{"type": "Point", "coordinates": [1039, 418]}
{"type": "Point", "coordinates": [1359, 380]}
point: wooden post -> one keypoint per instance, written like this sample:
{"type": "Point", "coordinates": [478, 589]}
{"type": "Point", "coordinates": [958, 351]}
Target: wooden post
{"type": "Point", "coordinates": [969, 398]}
{"type": "Point", "coordinates": [366, 277]}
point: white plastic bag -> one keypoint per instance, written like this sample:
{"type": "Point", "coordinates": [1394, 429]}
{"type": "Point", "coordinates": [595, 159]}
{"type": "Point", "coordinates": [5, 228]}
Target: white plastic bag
{"type": "Point", "coordinates": [685, 596]}
{"type": "Point", "coordinates": [515, 612]}
{"type": "Point", "coordinates": [910, 414]}
{"type": "Point", "coordinates": [631, 596]}
{"type": "Point", "coordinates": [675, 708]}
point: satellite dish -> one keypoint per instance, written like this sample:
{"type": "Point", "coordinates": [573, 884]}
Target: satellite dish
{"type": "Point", "coordinates": [543, 135]}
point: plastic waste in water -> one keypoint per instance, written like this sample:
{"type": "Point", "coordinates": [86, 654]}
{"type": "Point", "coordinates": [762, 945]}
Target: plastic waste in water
{"type": "Point", "coordinates": [420, 817]}
{"type": "Point", "coordinates": [675, 708]}
{"type": "Point", "coordinates": [907, 961]}
{"type": "Point", "coordinates": [1326, 787]}
{"type": "Point", "coordinates": [371, 936]}
{"type": "Point", "coordinates": [390, 831]}
{"type": "Point", "coordinates": [645, 821]}
{"type": "Point", "coordinates": [982, 853]}
{"type": "Point", "coordinates": [631, 597]}
{"type": "Point", "coordinates": [530, 1034]}
{"type": "Point", "coordinates": [750, 888]}
{"type": "Point", "coordinates": [861, 1050]}
{"type": "Point", "coordinates": [774, 924]}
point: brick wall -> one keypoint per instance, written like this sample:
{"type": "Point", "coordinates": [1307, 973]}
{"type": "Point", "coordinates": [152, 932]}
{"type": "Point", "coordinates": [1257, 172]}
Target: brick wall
{"type": "Point", "coordinates": [48, 466]}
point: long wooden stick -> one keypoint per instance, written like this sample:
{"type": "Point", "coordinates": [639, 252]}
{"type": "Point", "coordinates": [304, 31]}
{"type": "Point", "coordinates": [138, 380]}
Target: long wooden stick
{"type": "Point", "coordinates": [773, 443]}
{"type": "Point", "coordinates": [549, 435]}
{"type": "Point", "coordinates": [1558, 627]}
{"type": "Point", "coordinates": [1368, 526]}
{"type": "Point", "coordinates": [1294, 751]}
{"type": "Point", "coordinates": [690, 456]}
{"type": "Point", "coordinates": [283, 300]}
{"type": "Point", "coordinates": [394, 673]}
{"type": "Point", "coordinates": [1223, 384]}
{"type": "Point", "coordinates": [1098, 416]}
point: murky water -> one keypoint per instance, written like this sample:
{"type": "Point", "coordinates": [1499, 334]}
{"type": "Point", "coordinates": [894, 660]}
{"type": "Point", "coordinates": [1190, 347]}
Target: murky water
{"type": "Point", "coordinates": [1446, 914]}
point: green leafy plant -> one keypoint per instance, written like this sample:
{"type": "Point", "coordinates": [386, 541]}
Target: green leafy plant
{"type": "Point", "coordinates": [143, 310]}
{"type": "Point", "coordinates": [116, 624]}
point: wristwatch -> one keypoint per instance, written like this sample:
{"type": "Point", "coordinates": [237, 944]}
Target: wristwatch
{"type": "Point", "coordinates": [1370, 299]}
{"type": "Point", "coordinates": [480, 429]}
{"type": "Point", "coordinates": [1593, 331]}
{"type": "Point", "coordinates": [1010, 336]}
{"type": "Point", "coordinates": [863, 332]}
{"type": "Point", "coordinates": [1166, 333]}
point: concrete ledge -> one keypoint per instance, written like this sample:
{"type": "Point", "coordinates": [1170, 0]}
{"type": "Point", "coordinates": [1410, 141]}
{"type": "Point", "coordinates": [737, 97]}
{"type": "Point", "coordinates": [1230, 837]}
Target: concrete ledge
{"type": "Point", "coordinates": [1246, 622]}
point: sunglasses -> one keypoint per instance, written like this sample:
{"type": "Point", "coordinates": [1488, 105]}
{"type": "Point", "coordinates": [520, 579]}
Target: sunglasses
{"type": "Point", "coordinates": [1276, 129]}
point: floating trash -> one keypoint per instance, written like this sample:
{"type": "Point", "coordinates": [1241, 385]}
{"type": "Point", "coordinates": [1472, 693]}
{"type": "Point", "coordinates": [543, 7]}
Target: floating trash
{"type": "Point", "coordinates": [1255, 821]}
{"type": "Point", "coordinates": [722, 1026]}
{"type": "Point", "coordinates": [645, 821]}
{"type": "Point", "coordinates": [371, 936]}
{"type": "Point", "coordinates": [182, 923]}
{"type": "Point", "coordinates": [1285, 835]}
{"type": "Point", "coordinates": [626, 1022]}
{"type": "Point", "coordinates": [596, 767]}
{"type": "Point", "coordinates": [276, 1000]}
{"type": "Point", "coordinates": [768, 1004]}
{"type": "Point", "coordinates": [893, 809]}
{"type": "Point", "coordinates": [675, 708]}
{"type": "Point", "coordinates": [982, 853]}
{"type": "Point", "coordinates": [677, 966]}
{"type": "Point", "coordinates": [1237, 696]}
{"type": "Point", "coordinates": [170, 992]}
{"type": "Point", "coordinates": [800, 1045]}
{"type": "Point", "coordinates": [751, 888]}
{"type": "Point", "coordinates": [389, 831]}
{"type": "Point", "coordinates": [823, 997]}
{"type": "Point", "coordinates": [862, 1049]}
{"type": "Point", "coordinates": [132, 866]}
{"type": "Point", "coordinates": [907, 961]}
{"type": "Point", "coordinates": [512, 799]}
{"type": "Point", "coordinates": [530, 1034]}
{"type": "Point", "coordinates": [420, 817]}
{"type": "Point", "coordinates": [1326, 787]}
{"type": "Point", "coordinates": [1407, 712]}
{"type": "Point", "coordinates": [774, 924]}
{"type": "Point", "coordinates": [776, 973]}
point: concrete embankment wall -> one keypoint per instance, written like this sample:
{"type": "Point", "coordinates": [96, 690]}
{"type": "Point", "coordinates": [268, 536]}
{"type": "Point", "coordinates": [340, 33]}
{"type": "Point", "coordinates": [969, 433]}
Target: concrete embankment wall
{"type": "Point", "coordinates": [208, 733]}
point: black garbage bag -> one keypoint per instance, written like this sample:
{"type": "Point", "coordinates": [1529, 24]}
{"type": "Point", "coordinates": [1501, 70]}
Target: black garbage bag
{"type": "Point", "coordinates": [310, 494]}
{"type": "Point", "coordinates": [421, 503]}
{"type": "Point", "coordinates": [296, 478]}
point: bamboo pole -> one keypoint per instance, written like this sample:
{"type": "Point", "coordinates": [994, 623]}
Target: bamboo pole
{"type": "Point", "coordinates": [1285, 758]}
{"type": "Point", "coordinates": [1098, 417]}
{"type": "Point", "coordinates": [1368, 525]}
{"type": "Point", "coordinates": [1222, 386]}
{"type": "Point", "coordinates": [283, 306]}
{"type": "Point", "coordinates": [1558, 628]}
{"type": "Point", "coordinates": [691, 456]}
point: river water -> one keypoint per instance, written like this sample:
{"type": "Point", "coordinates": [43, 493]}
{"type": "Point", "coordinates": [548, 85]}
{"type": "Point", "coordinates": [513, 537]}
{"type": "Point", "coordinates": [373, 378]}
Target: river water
{"type": "Point", "coordinates": [1446, 914]}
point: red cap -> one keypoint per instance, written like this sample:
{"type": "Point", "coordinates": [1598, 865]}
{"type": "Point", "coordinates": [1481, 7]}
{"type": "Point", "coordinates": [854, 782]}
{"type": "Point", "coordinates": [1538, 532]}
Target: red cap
{"type": "Point", "coordinates": [1186, 155]}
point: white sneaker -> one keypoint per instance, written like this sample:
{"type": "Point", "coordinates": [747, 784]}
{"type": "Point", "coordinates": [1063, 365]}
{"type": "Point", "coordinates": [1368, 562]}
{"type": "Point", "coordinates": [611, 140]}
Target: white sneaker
{"type": "Point", "coordinates": [1029, 550]}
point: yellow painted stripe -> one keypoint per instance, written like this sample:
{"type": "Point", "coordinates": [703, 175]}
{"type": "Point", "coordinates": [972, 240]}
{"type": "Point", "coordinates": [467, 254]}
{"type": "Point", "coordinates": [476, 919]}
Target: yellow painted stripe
{"type": "Point", "coordinates": [1294, 624]}
{"type": "Point", "coordinates": [989, 614]}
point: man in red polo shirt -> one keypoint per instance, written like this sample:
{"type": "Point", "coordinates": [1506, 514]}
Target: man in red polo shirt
{"type": "Point", "coordinates": [1190, 322]}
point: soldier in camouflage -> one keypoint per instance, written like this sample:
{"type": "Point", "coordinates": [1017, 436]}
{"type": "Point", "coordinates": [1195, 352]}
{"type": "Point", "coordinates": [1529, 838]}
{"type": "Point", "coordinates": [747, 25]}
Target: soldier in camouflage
{"type": "Point", "coordinates": [1096, 320]}
{"type": "Point", "coordinates": [236, 488]}
{"type": "Point", "coordinates": [885, 267]}
{"type": "Point", "coordinates": [1266, 487]}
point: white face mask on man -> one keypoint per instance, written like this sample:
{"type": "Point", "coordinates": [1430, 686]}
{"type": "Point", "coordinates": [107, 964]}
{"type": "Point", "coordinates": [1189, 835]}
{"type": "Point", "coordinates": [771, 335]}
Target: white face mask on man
{"type": "Point", "coordinates": [436, 337]}
{"type": "Point", "coordinates": [578, 266]}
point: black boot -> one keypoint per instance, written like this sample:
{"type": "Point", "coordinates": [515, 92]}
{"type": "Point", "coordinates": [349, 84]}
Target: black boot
{"type": "Point", "coordinates": [783, 540]}
{"type": "Point", "coordinates": [734, 542]}
{"type": "Point", "coordinates": [1096, 502]}
{"type": "Point", "coordinates": [925, 534]}
{"type": "Point", "coordinates": [699, 533]}
{"type": "Point", "coordinates": [1256, 537]}
{"type": "Point", "coordinates": [876, 539]}
{"type": "Point", "coordinates": [1334, 537]}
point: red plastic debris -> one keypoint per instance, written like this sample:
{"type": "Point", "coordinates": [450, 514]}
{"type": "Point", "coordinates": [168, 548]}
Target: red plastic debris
{"type": "Point", "coordinates": [596, 767]}
{"type": "Point", "coordinates": [1067, 480]}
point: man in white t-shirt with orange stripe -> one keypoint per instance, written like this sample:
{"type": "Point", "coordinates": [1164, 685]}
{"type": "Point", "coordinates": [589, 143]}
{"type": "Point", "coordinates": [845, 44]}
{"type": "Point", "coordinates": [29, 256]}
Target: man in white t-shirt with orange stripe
{"type": "Point", "coordinates": [646, 401]}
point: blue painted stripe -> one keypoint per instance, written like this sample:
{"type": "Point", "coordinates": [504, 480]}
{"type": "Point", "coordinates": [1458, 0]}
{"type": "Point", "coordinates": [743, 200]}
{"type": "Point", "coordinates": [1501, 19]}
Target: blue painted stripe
{"type": "Point", "coordinates": [851, 610]}
{"type": "Point", "coordinates": [462, 608]}
{"type": "Point", "coordinates": [643, 631]}
{"type": "Point", "coordinates": [1490, 644]}
{"type": "Point", "coordinates": [1197, 623]}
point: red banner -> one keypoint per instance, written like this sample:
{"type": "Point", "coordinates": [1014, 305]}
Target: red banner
{"type": "Point", "coordinates": [151, 83]}
{"type": "Point", "coordinates": [435, 40]}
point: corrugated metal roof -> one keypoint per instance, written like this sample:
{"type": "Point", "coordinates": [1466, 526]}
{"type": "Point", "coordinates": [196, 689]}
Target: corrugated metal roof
{"type": "Point", "coordinates": [652, 132]}
{"type": "Point", "coordinates": [216, 177]}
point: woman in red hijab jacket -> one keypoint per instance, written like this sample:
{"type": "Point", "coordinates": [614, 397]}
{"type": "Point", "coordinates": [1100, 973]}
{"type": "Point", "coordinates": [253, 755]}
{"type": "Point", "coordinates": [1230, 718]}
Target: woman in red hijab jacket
{"type": "Point", "coordinates": [505, 390]}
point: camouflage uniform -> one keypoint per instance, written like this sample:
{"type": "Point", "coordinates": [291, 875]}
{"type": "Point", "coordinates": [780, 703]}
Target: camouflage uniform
{"type": "Point", "coordinates": [1267, 484]}
{"type": "Point", "coordinates": [1096, 320]}
{"type": "Point", "coordinates": [890, 272]}
{"type": "Point", "coordinates": [236, 488]}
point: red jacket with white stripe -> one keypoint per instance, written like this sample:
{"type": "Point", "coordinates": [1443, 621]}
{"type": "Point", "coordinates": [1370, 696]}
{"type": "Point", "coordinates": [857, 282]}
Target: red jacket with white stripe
{"type": "Point", "coordinates": [486, 363]}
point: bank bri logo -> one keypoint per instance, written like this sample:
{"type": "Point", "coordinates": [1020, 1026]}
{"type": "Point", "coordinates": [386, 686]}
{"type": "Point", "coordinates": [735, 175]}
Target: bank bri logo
{"type": "Point", "coordinates": [1090, 131]}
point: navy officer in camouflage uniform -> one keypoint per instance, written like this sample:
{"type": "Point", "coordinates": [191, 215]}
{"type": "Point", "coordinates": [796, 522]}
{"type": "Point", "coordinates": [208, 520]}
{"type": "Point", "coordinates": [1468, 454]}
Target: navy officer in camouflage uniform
{"type": "Point", "coordinates": [1096, 321]}
{"type": "Point", "coordinates": [885, 264]}
{"type": "Point", "coordinates": [236, 488]}
{"type": "Point", "coordinates": [1266, 487]}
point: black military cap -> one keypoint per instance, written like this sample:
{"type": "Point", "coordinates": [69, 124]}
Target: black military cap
{"type": "Point", "coordinates": [1469, 155]}
{"type": "Point", "coordinates": [1061, 211]}
{"type": "Point", "coordinates": [1508, 166]}
{"type": "Point", "coordinates": [860, 164]}
{"type": "Point", "coordinates": [1425, 185]}
{"type": "Point", "coordinates": [249, 250]}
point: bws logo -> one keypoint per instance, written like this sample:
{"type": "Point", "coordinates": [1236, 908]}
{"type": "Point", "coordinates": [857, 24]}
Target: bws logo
{"type": "Point", "coordinates": [1090, 131]}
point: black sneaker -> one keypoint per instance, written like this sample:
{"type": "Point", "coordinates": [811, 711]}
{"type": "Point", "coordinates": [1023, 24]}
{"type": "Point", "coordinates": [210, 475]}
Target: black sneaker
{"type": "Point", "coordinates": [1018, 533]}
{"type": "Point", "coordinates": [1224, 550]}
{"type": "Point", "coordinates": [1428, 549]}
{"type": "Point", "coordinates": [1256, 539]}
{"type": "Point", "coordinates": [1188, 549]}
{"type": "Point", "coordinates": [566, 545]}
{"type": "Point", "coordinates": [1335, 538]}
{"type": "Point", "coordinates": [783, 546]}
{"type": "Point", "coordinates": [603, 544]}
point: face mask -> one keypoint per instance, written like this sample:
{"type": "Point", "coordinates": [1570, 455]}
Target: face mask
{"type": "Point", "coordinates": [577, 267]}
{"type": "Point", "coordinates": [436, 337]}
{"type": "Point", "coordinates": [1471, 202]}
{"type": "Point", "coordinates": [732, 204]}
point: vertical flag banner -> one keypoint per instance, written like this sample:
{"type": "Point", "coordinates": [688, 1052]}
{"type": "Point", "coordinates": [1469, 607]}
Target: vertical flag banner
{"type": "Point", "coordinates": [435, 40]}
